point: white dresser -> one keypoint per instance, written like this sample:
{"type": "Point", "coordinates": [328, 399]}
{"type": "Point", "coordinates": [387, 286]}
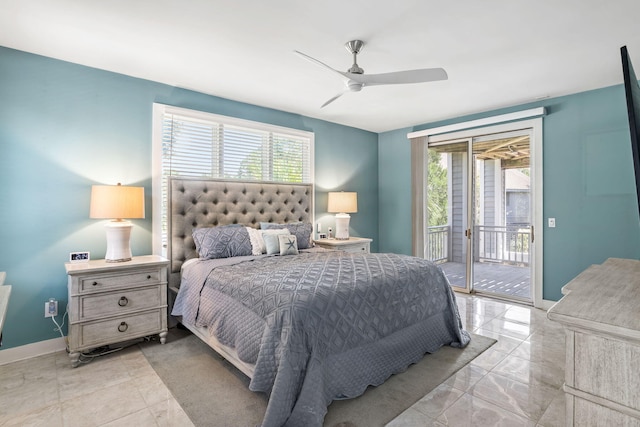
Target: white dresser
{"type": "Point", "coordinates": [115, 302]}
{"type": "Point", "coordinates": [600, 313]}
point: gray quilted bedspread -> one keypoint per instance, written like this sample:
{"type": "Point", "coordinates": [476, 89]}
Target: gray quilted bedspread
{"type": "Point", "coordinates": [322, 325]}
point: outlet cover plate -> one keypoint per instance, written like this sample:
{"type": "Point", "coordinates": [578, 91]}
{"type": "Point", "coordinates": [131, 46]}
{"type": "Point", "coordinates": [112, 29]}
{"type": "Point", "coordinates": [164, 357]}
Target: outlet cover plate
{"type": "Point", "coordinates": [46, 309]}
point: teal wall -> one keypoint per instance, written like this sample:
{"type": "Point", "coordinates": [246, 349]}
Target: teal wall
{"type": "Point", "coordinates": [588, 184]}
{"type": "Point", "coordinates": [64, 127]}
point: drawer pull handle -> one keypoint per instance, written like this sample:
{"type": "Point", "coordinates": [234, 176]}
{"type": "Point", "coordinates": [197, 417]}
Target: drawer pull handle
{"type": "Point", "coordinates": [123, 301]}
{"type": "Point", "coordinates": [123, 327]}
{"type": "Point", "coordinates": [149, 276]}
{"type": "Point", "coordinates": [95, 283]}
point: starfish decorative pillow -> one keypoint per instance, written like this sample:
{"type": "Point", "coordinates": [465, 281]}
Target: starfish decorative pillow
{"type": "Point", "coordinates": [288, 244]}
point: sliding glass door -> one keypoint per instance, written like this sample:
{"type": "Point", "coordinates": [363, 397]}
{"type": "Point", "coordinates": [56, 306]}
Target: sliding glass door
{"type": "Point", "coordinates": [478, 196]}
{"type": "Point", "coordinates": [448, 211]}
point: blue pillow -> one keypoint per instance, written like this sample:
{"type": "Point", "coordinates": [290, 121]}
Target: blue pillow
{"type": "Point", "coordinates": [302, 231]}
{"type": "Point", "coordinates": [271, 242]}
{"type": "Point", "coordinates": [222, 242]}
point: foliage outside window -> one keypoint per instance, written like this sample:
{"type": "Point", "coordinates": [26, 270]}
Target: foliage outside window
{"type": "Point", "coordinates": [437, 190]}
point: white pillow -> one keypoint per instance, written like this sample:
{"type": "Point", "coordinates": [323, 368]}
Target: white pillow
{"type": "Point", "coordinates": [257, 242]}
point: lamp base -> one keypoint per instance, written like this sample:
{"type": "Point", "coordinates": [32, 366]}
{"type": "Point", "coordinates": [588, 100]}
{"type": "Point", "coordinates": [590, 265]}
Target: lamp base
{"type": "Point", "coordinates": [118, 236]}
{"type": "Point", "coordinates": [342, 226]}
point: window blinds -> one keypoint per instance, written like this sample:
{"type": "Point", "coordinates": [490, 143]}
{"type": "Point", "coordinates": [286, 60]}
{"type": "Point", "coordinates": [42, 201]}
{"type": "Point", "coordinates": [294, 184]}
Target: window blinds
{"type": "Point", "coordinates": [200, 148]}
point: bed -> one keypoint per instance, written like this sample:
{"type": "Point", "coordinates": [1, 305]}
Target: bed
{"type": "Point", "coordinates": [309, 325]}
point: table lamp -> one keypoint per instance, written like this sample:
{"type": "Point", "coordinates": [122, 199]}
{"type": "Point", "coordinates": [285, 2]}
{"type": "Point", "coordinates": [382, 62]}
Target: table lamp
{"type": "Point", "coordinates": [117, 202]}
{"type": "Point", "coordinates": [343, 203]}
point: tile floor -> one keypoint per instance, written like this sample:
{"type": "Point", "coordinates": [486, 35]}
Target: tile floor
{"type": "Point", "coordinates": [516, 382]}
{"type": "Point", "coordinates": [120, 389]}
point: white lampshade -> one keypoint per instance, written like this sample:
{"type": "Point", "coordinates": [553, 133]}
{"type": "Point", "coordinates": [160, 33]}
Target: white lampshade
{"type": "Point", "coordinates": [344, 203]}
{"type": "Point", "coordinates": [117, 202]}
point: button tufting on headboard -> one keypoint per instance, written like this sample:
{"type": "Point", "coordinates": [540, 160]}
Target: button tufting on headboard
{"type": "Point", "coordinates": [206, 203]}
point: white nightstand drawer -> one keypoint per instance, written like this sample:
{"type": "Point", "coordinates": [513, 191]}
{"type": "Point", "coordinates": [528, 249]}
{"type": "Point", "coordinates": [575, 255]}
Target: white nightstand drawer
{"type": "Point", "coordinates": [119, 303]}
{"type": "Point", "coordinates": [94, 334]}
{"type": "Point", "coordinates": [353, 244]}
{"type": "Point", "coordinates": [364, 248]}
{"type": "Point", "coordinates": [99, 283]}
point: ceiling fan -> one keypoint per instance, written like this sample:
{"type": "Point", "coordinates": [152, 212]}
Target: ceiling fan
{"type": "Point", "coordinates": [356, 79]}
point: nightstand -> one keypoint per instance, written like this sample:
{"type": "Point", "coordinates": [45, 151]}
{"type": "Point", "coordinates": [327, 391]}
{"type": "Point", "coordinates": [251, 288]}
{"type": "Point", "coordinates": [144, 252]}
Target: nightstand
{"type": "Point", "coordinates": [354, 244]}
{"type": "Point", "coordinates": [114, 302]}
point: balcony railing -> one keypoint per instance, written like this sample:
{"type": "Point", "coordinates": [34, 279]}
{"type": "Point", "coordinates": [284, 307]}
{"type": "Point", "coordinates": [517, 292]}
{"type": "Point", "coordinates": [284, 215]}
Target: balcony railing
{"type": "Point", "coordinates": [500, 244]}
{"type": "Point", "coordinates": [438, 243]}
{"type": "Point", "coordinates": [504, 244]}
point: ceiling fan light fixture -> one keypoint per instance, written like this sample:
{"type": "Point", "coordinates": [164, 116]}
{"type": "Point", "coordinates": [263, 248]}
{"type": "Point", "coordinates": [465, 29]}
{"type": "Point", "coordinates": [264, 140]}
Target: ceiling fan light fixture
{"type": "Point", "coordinates": [354, 86]}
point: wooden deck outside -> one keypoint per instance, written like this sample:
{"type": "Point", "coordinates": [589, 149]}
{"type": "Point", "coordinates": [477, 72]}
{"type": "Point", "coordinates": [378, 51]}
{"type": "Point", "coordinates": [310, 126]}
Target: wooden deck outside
{"type": "Point", "coordinates": [505, 280]}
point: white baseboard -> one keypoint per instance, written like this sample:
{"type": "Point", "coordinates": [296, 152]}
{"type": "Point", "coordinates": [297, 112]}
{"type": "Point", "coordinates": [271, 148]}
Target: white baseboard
{"type": "Point", "coordinates": [32, 350]}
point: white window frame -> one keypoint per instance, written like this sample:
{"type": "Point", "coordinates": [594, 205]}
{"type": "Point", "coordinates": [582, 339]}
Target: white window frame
{"type": "Point", "coordinates": [526, 119]}
{"type": "Point", "coordinates": [159, 111]}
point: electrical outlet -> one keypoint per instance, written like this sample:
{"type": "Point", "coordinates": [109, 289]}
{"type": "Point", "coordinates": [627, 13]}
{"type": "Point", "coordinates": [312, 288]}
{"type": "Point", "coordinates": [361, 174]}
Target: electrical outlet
{"type": "Point", "coordinates": [51, 308]}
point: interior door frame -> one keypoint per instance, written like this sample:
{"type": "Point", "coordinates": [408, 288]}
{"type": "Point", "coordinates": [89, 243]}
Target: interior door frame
{"type": "Point", "coordinates": [529, 119]}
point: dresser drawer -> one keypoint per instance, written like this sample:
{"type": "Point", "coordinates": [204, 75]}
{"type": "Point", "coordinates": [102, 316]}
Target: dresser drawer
{"type": "Point", "coordinates": [99, 283]}
{"type": "Point", "coordinates": [95, 334]}
{"type": "Point", "coordinates": [97, 306]}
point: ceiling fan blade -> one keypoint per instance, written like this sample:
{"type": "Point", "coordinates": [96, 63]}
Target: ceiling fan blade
{"type": "Point", "coordinates": [331, 100]}
{"type": "Point", "coordinates": [320, 63]}
{"type": "Point", "coordinates": [401, 77]}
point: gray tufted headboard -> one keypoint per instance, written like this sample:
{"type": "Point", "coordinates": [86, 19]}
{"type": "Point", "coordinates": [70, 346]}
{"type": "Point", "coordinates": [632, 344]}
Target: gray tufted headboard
{"type": "Point", "coordinates": [211, 202]}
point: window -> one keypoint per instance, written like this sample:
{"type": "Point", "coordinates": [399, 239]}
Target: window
{"type": "Point", "coordinates": [192, 143]}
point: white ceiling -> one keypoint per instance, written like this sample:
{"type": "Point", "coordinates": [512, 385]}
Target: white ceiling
{"type": "Point", "coordinates": [497, 53]}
